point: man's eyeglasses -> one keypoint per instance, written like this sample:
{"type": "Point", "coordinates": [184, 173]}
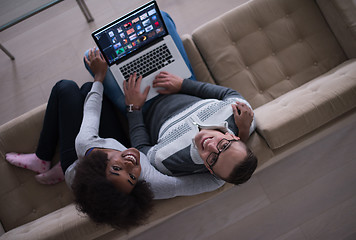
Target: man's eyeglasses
{"type": "Point", "coordinates": [222, 146]}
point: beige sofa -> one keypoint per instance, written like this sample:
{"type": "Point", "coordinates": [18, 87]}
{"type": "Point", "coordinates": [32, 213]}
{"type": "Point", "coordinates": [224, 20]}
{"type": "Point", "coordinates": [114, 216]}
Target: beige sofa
{"type": "Point", "coordinates": [294, 61]}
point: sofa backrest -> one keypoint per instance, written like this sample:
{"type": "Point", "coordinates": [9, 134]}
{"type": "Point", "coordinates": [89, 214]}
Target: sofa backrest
{"type": "Point", "coordinates": [340, 14]}
{"type": "Point", "coordinates": [266, 48]}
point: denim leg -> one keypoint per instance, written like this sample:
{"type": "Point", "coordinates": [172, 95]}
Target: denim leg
{"type": "Point", "coordinates": [171, 27]}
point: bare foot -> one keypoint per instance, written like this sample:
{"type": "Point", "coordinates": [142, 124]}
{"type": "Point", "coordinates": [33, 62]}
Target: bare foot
{"type": "Point", "coordinates": [53, 176]}
{"type": "Point", "coordinates": [29, 161]}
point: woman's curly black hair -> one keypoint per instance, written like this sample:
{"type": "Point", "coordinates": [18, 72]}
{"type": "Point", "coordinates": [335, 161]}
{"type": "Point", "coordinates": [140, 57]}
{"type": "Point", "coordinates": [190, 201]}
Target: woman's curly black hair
{"type": "Point", "coordinates": [102, 202]}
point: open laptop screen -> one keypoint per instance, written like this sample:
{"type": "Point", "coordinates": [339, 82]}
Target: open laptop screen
{"type": "Point", "coordinates": [122, 38]}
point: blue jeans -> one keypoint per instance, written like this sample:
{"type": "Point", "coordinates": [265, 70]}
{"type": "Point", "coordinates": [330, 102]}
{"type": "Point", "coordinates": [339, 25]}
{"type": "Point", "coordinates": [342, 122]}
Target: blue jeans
{"type": "Point", "coordinates": [112, 89]}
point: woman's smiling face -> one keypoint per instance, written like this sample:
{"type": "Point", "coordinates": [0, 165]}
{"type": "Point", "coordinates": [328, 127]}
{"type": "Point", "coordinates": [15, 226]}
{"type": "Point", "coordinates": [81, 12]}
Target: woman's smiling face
{"type": "Point", "coordinates": [123, 168]}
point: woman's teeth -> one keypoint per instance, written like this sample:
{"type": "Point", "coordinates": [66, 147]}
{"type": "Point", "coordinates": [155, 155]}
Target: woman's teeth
{"type": "Point", "coordinates": [132, 158]}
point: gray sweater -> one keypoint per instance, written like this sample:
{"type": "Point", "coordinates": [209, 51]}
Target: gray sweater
{"type": "Point", "coordinates": [163, 186]}
{"type": "Point", "coordinates": [166, 131]}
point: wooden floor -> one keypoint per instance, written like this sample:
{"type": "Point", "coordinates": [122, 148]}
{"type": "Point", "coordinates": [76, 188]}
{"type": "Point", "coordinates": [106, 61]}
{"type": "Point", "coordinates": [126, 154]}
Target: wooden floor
{"type": "Point", "coordinates": [310, 194]}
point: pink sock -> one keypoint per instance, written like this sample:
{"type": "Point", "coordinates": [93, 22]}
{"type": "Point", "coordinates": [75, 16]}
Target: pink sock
{"type": "Point", "coordinates": [52, 176]}
{"type": "Point", "coordinates": [29, 161]}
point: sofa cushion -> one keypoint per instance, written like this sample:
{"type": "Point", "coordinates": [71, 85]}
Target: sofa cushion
{"type": "Point", "coordinates": [264, 49]}
{"type": "Point", "coordinates": [308, 107]}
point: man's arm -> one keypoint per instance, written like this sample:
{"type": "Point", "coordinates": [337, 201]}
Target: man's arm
{"type": "Point", "coordinates": [174, 84]}
{"type": "Point", "coordinates": [243, 116]}
{"type": "Point", "coordinates": [208, 90]}
{"type": "Point", "coordinates": [138, 133]}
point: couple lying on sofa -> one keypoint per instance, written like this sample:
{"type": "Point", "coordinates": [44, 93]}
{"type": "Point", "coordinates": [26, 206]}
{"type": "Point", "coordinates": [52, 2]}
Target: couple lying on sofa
{"type": "Point", "coordinates": [198, 132]}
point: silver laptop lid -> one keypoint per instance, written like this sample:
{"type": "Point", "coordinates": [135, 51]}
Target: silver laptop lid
{"type": "Point", "coordinates": [131, 33]}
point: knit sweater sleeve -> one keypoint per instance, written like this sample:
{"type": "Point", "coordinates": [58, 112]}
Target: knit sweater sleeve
{"type": "Point", "coordinates": [207, 90]}
{"type": "Point", "coordinates": [90, 124]}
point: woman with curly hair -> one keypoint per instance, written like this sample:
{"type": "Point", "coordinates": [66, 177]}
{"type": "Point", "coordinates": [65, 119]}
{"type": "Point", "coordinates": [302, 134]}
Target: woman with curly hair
{"type": "Point", "coordinates": [105, 200]}
{"type": "Point", "coordinates": [111, 183]}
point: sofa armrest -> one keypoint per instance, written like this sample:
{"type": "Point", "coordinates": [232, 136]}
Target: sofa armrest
{"type": "Point", "coordinates": [341, 16]}
{"type": "Point", "coordinates": [18, 135]}
{"type": "Point", "coordinates": [26, 128]}
{"type": "Point", "coordinates": [65, 223]}
{"type": "Point", "coordinates": [260, 148]}
{"type": "Point", "coordinates": [308, 107]}
{"type": "Point", "coordinates": [22, 198]}
{"type": "Point", "coordinates": [199, 67]}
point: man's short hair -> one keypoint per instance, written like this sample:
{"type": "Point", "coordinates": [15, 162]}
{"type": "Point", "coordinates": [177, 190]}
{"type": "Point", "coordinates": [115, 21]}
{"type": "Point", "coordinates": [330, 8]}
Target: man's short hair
{"type": "Point", "coordinates": [242, 172]}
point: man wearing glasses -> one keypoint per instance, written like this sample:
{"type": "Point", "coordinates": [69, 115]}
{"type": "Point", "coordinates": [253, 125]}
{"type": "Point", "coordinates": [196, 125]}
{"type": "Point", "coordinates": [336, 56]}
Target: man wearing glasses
{"type": "Point", "coordinates": [192, 127]}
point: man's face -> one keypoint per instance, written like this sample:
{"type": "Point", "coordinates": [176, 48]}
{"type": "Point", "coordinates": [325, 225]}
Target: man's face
{"type": "Point", "coordinates": [207, 140]}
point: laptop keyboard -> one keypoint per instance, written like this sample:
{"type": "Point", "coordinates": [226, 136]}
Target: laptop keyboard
{"type": "Point", "coordinates": [148, 63]}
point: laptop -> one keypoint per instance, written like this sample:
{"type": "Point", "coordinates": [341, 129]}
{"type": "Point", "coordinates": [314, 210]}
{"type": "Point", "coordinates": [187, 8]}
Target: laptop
{"type": "Point", "coordinates": [139, 42]}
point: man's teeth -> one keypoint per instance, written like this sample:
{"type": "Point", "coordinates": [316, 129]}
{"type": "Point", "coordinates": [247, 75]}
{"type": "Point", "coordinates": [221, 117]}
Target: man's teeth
{"type": "Point", "coordinates": [205, 141]}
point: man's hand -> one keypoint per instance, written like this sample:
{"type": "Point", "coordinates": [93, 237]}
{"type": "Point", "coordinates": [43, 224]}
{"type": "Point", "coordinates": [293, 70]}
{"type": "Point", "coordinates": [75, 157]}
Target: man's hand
{"type": "Point", "coordinates": [243, 120]}
{"type": "Point", "coordinates": [133, 93]}
{"type": "Point", "coordinates": [97, 64]}
{"type": "Point", "coordinates": [170, 83]}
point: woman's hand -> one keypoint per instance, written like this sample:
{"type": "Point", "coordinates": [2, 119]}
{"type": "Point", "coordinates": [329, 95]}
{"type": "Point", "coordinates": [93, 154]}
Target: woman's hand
{"type": "Point", "coordinates": [133, 93]}
{"type": "Point", "coordinates": [97, 64]}
{"type": "Point", "coordinates": [243, 120]}
{"type": "Point", "coordinates": [170, 83]}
